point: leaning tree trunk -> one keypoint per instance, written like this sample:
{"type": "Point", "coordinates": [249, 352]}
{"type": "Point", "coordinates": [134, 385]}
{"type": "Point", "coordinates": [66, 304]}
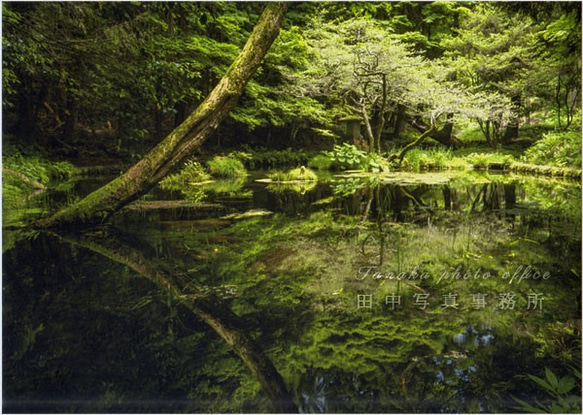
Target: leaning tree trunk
{"type": "Point", "coordinates": [444, 136]}
{"type": "Point", "coordinates": [179, 144]}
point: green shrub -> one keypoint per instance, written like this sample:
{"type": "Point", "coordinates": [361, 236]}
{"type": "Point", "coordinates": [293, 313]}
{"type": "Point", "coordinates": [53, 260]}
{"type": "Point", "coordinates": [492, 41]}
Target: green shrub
{"type": "Point", "coordinates": [191, 173]}
{"type": "Point", "coordinates": [434, 159]}
{"type": "Point", "coordinates": [266, 159]}
{"type": "Point", "coordinates": [483, 160]}
{"type": "Point", "coordinates": [302, 173]}
{"type": "Point", "coordinates": [562, 392]}
{"type": "Point", "coordinates": [23, 175]}
{"type": "Point", "coordinates": [226, 166]}
{"type": "Point", "coordinates": [348, 157]}
{"type": "Point", "coordinates": [561, 149]}
{"type": "Point", "coordinates": [321, 162]}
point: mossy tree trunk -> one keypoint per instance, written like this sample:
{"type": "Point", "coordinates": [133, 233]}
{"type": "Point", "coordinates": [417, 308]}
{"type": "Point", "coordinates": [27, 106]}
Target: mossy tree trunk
{"type": "Point", "coordinates": [179, 144]}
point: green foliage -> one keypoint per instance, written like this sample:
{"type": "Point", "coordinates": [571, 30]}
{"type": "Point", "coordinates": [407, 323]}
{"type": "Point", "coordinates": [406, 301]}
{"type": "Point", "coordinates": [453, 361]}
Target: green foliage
{"type": "Point", "coordinates": [419, 159]}
{"type": "Point", "coordinates": [561, 149]}
{"type": "Point", "coordinates": [483, 160]}
{"type": "Point", "coordinates": [226, 166]}
{"type": "Point", "coordinates": [302, 173]}
{"type": "Point", "coordinates": [298, 174]}
{"type": "Point", "coordinates": [564, 400]}
{"type": "Point", "coordinates": [191, 173]}
{"type": "Point", "coordinates": [348, 157]}
{"type": "Point", "coordinates": [22, 175]}
{"type": "Point", "coordinates": [321, 162]}
{"type": "Point", "coordinates": [266, 159]}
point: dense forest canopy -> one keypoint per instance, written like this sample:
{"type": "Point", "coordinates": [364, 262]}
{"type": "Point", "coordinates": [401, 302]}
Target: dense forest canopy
{"type": "Point", "coordinates": [120, 76]}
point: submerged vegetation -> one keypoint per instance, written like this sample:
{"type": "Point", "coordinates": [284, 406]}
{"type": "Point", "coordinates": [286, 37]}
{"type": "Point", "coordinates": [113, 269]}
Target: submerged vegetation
{"type": "Point", "coordinates": [192, 173]}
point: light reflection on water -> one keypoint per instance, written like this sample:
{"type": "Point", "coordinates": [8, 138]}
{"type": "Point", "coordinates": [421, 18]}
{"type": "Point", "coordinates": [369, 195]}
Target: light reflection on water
{"type": "Point", "coordinates": [85, 330]}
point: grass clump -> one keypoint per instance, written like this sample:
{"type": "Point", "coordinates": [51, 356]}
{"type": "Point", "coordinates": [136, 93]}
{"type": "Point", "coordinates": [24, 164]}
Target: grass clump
{"type": "Point", "coordinates": [483, 160]}
{"type": "Point", "coordinates": [191, 173]}
{"type": "Point", "coordinates": [434, 159]}
{"type": "Point", "coordinates": [226, 166]}
{"type": "Point", "coordinates": [298, 174]}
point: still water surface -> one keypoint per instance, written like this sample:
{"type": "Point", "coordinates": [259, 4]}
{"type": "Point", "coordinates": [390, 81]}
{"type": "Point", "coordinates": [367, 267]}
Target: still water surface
{"type": "Point", "coordinates": [416, 293]}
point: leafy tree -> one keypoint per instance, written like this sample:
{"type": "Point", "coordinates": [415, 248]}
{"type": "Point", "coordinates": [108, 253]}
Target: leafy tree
{"type": "Point", "coordinates": [179, 144]}
{"type": "Point", "coordinates": [373, 74]}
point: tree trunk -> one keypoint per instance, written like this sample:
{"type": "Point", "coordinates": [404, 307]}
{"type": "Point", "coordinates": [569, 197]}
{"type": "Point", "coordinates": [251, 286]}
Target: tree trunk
{"type": "Point", "coordinates": [70, 131]}
{"type": "Point", "coordinates": [399, 121]}
{"type": "Point", "coordinates": [409, 146]}
{"type": "Point", "coordinates": [179, 144]}
{"type": "Point", "coordinates": [444, 136]}
{"type": "Point", "coordinates": [512, 129]}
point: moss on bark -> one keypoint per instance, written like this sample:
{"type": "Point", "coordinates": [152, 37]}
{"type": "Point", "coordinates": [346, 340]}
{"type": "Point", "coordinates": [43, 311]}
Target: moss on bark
{"type": "Point", "coordinates": [178, 145]}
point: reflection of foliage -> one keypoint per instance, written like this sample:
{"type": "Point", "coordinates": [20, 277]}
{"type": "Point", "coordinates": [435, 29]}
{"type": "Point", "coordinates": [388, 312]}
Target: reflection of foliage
{"type": "Point", "coordinates": [345, 186]}
{"type": "Point", "coordinates": [296, 187]}
{"type": "Point", "coordinates": [563, 399]}
{"type": "Point", "coordinates": [334, 356]}
{"type": "Point", "coordinates": [232, 186]}
{"type": "Point", "coordinates": [298, 174]}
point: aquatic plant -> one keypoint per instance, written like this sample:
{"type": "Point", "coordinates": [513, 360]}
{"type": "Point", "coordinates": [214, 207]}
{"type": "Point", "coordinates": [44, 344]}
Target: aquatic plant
{"type": "Point", "coordinates": [298, 174]}
{"type": "Point", "coordinates": [192, 173]}
{"type": "Point", "coordinates": [226, 166]}
{"type": "Point", "coordinates": [302, 173]}
{"type": "Point", "coordinates": [347, 156]}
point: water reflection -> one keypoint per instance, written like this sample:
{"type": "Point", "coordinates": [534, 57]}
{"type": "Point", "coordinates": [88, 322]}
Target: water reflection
{"type": "Point", "coordinates": [89, 333]}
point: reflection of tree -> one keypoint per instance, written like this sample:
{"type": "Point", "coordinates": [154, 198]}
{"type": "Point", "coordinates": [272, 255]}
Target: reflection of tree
{"type": "Point", "coordinates": [213, 312]}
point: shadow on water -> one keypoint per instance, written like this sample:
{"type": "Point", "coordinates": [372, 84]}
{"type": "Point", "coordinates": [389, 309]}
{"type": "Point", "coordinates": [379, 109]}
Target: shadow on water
{"type": "Point", "coordinates": [204, 305]}
{"type": "Point", "coordinates": [107, 320]}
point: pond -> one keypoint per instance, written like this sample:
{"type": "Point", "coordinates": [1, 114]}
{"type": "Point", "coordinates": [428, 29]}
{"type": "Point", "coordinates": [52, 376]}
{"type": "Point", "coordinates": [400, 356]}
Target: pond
{"type": "Point", "coordinates": [403, 293]}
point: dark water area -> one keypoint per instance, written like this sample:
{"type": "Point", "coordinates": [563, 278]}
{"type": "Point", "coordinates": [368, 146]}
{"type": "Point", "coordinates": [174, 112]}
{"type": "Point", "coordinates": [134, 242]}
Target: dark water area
{"type": "Point", "coordinates": [413, 293]}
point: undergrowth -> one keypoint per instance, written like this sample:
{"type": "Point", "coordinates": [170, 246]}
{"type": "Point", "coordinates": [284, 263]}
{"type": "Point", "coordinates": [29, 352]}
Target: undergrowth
{"type": "Point", "coordinates": [191, 173]}
{"type": "Point", "coordinates": [226, 166]}
{"type": "Point", "coordinates": [23, 175]}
